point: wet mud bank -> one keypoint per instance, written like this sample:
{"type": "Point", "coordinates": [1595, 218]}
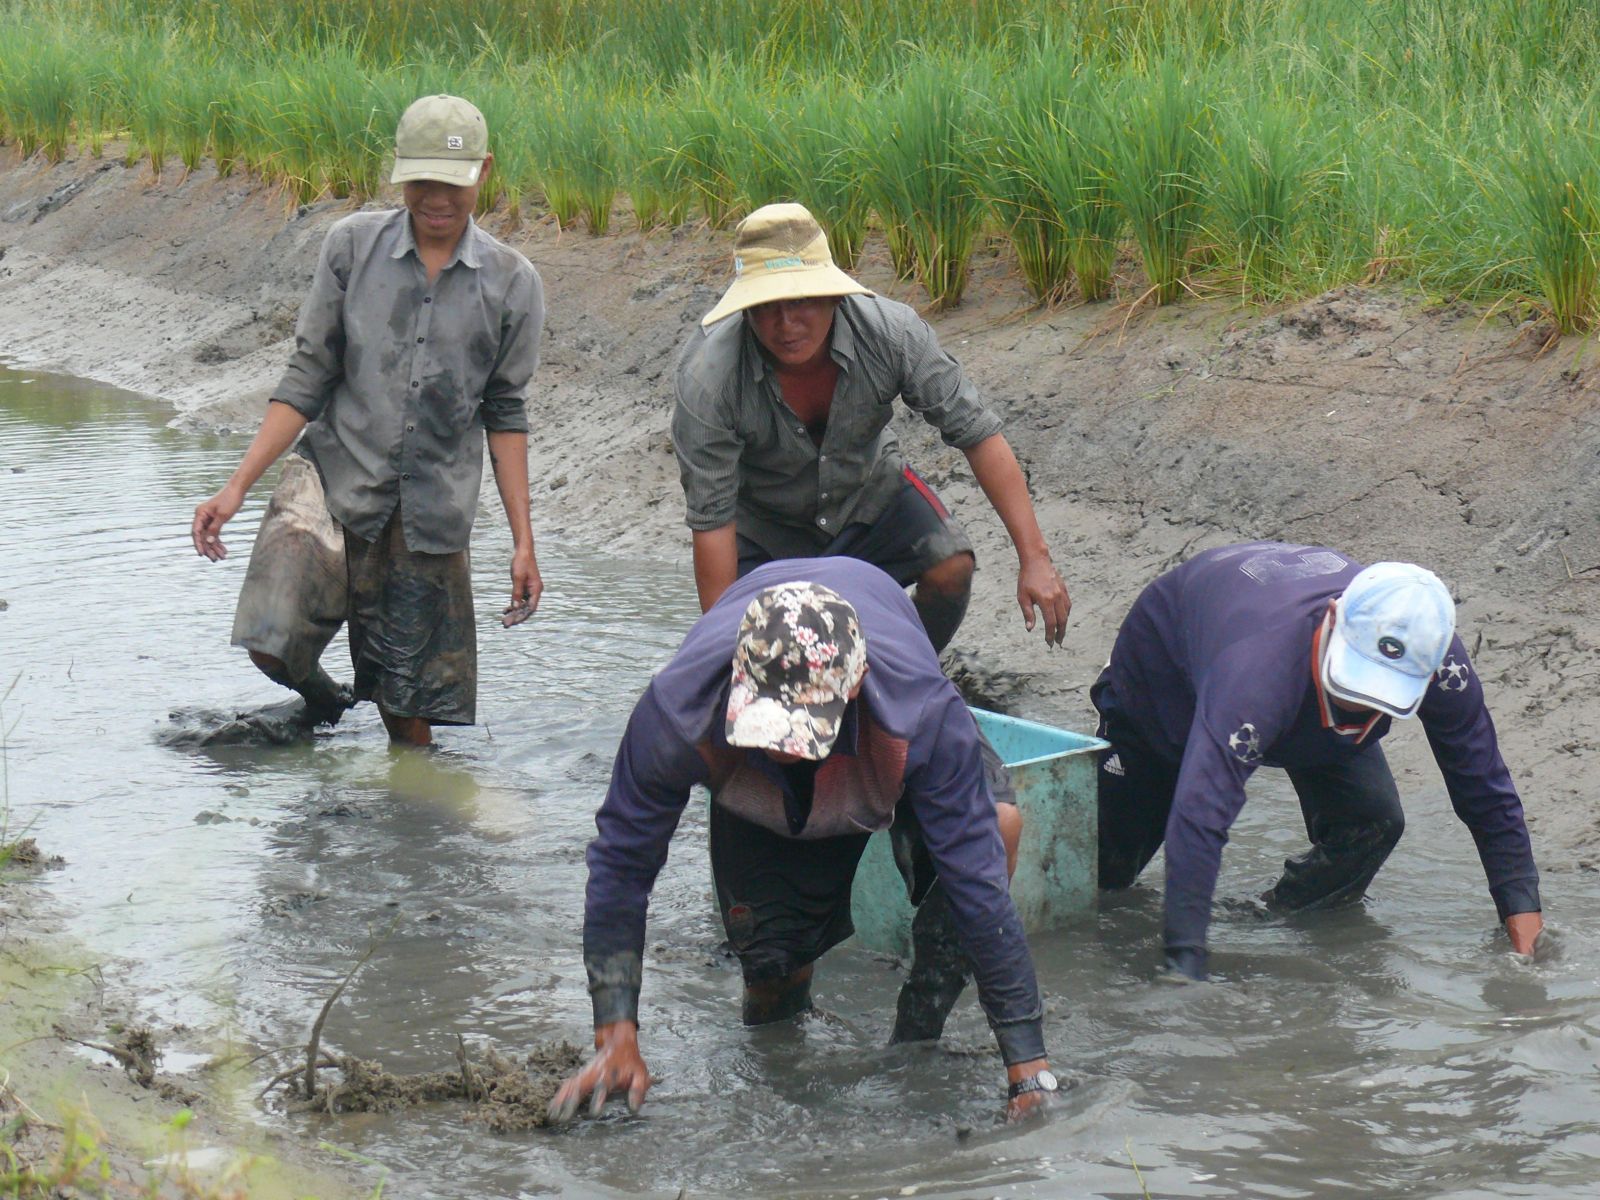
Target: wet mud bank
{"type": "Point", "coordinates": [1365, 418]}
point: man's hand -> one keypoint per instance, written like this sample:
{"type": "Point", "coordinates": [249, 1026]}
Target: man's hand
{"type": "Point", "coordinates": [616, 1068]}
{"type": "Point", "coordinates": [1039, 585]}
{"type": "Point", "coordinates": [1029, 1104]}
{"type": "Point", "coordinates": [210, 517]}
{"type": "Point", "coordinates": [526, 588]}
{"type": "Point", "coordinates": [1524, 929]}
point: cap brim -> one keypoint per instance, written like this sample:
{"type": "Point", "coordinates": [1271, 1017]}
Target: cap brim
{"type": "Point", "coordinates": [463, 172]}
{"type": "Point", "coordinates": [807, 731]}
{"type": "Point", "coordinates": [795, 283]}
{"type": "Point", "coordinates": [1356, 679]}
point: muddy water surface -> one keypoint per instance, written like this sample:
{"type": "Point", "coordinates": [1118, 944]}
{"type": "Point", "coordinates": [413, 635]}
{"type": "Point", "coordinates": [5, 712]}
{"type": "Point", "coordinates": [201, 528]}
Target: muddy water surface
{"type": "Point", "coordinates": [1394, 1050]}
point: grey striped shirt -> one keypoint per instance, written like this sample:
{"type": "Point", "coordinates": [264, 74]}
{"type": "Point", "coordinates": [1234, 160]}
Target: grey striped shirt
{"type": "Point", "coordinates": [399, 378]}
{"type": "Point", "coordinates": [745, 457]}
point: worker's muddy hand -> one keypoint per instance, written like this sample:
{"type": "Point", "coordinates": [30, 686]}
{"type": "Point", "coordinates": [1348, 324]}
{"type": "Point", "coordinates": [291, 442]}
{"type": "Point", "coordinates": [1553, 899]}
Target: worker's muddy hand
{"type": "Point", "coordinates": [1040, 586]}
{"type": "Point", "coordinates": [617, 1069]}
{"type": "Point", "coordinates": [209, 518]}
{"type": "Point", "coordinates": [526, 588]}
{"type": "Point", "coordinates": [515, 614]}
{"type": "Point", "coordinates": [1525, 930]}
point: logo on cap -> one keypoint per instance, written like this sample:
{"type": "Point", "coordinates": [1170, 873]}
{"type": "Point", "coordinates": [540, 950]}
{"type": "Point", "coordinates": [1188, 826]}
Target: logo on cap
{"type": "Point", "coordinates": [454, 142]}
{"type": "Point", "coordinates": [1391, 648]}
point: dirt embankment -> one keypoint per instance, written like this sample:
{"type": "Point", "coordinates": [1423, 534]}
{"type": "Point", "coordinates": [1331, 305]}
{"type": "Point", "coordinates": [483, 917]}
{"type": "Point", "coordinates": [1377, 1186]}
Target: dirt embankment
{"type": "Point", "coordinates": [1360, 419]}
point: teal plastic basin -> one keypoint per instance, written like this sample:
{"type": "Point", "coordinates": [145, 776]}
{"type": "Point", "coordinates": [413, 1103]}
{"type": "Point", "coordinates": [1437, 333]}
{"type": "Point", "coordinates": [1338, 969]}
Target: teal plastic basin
{"type": "Point", "coordinates": [1053, 772]}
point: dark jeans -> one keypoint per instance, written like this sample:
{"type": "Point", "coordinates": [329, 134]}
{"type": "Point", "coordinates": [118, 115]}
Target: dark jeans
{"type": "Point", "coordinates": [1351, 811]}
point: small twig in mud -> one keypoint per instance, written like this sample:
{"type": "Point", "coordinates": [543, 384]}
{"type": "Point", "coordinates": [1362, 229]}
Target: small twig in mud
{"type": "Point", "coordinates": [1143, 1187]}
{"type": "Point", "coordinates": [469, 1077]}
{"type": "Point", "coordinates": [1578, 576]}
{"type": "Point", "coordinates": [297, 1069]}
{"type": "Point", "coordinates": [135, 1051]}
{"type": "Point", "coordinates": [327, 1007]}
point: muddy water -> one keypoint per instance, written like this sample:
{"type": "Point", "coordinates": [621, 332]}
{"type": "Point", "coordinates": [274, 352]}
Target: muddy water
{"type": "Point", "coordinates": [1394, 1050]}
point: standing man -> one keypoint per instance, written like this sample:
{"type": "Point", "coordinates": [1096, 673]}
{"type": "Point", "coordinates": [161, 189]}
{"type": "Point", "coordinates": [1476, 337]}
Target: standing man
{"type": "Point", "coordinates": [810, 704]}
{"type": "Point", "coordinates": [421, 330]}
{"type": "Point", "coordinates": [1294, 657]}
{"type": "Point", "coordinates": [781, 429]}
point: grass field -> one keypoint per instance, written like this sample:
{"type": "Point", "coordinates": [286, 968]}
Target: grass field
{"type": "Point", "coordinates": [1261, 148]}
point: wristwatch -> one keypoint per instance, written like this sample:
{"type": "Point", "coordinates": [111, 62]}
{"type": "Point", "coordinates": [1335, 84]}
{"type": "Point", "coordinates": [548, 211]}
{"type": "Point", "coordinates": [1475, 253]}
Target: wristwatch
{"type": "Point", "coordinates": [1044, 1081]}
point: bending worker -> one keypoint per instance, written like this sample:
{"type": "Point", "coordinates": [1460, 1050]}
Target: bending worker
{"type": "Point", "coordinates": [811, 705]}
{"type": "Point", "coordinates": [1294, 657]}
{"type": "Point", "coordinates": [782, 433]}
{"type": "Point", "coordinates": [418, 338]}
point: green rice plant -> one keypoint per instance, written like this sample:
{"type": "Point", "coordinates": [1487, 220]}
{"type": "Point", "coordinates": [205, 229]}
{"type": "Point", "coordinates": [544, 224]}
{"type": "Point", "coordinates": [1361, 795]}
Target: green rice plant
{"type": "Point", "coordinates": [697, 127]}
{"type": "Point", "coordinates": [1158, 143]}
{"type": "Point", "coordinates": [227, 108]}
{"type": "Point", "coordinates": [824, 157]}
{"type": "Point", "coordinates": [577, 161]}
{"type": "Point", "coordinates": [656, 177]}
{"type": "Point", "coordinates": [352, 111]}
{"type": "Point", "coordinates": [1550, 193]}
{"type": "Point", "coordinates": [1047, 179]}
{"type": "Point", "coordinates": [754, 138]}
{"type": "Point", "coordinates": [927, 155]}
{"type": "Point", "coordinates": [1267, 167]}
{"type": "Point", "coordinates": [37, 91]}
{"type": "Point", "coordinates": [190, 115]}
{"type": "Point", "coordinates": [96, 106]}
{"type": "Point", "coordinates": [146, 83]}
{"type": "Point", "coordinates": [513, 141]}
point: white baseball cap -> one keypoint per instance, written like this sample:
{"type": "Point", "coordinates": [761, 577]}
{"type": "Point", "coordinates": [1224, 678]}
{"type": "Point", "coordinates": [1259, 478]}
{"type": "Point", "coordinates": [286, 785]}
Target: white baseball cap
{"type": "Point", "coordinates": [1393, 626]}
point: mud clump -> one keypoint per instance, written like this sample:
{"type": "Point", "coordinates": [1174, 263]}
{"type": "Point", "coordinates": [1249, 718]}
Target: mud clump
{"type": "Point", "coordinates": [506, 1095]}
{"type": "Point", "coordinates": [26, 853]}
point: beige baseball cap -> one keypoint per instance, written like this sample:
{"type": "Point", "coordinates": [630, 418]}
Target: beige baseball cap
{"type": "Point", "coordinates": [781, 253]}
{"type": "Point", "coordinates": [442, 138]}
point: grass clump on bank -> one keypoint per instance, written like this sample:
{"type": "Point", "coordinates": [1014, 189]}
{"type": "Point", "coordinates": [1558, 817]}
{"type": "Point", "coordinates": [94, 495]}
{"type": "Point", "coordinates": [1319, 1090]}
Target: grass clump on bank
{"type": "Point", "coordinates": [1269, 148]}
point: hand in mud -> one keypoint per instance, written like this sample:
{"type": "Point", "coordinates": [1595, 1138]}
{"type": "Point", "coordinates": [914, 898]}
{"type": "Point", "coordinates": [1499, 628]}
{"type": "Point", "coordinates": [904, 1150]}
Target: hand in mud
{"type": "Point", "coordinates": [1029, 1107]}
{"type": "Point", "coordinates": [1039, 585]}
{"type": "Point", "coordinates": [526, 588]}
{"type": "Point", "coordinates": [616, 1068]}
{"type": "Point", "coordinates": [209, 518]}
{"type": "Point", "coordinates": [1525, 929]}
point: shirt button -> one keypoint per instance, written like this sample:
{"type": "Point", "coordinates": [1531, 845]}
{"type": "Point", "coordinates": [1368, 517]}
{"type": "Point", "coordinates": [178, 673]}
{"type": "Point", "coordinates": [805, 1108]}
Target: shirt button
{"type": "Point", "coordinates": [411, 428]}
{"type": "Point", "coordinates": [427, 299]}
{"type": "Point", "coordinates": [822, 520]}
{"type": "Point", "coordinates": [414, 383]}
{"type": "Point", "coordinates": [822, 458]}
{"type": "Point", "coordinates": [419, 341]}
{"type": "Point", "coordinates": [407, 475]}
{"type": "Point", "coordinates": [824, 496]}
{"type": "Point", "coordinates": [799, 428]}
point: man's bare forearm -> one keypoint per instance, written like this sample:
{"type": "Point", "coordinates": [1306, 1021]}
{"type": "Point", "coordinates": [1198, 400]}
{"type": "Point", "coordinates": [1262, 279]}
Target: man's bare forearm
{"type": "Point", "coordinates": [508, 458]}
{"type": "Point", "coordinates": [716, 562]}
{"type": "Point", "coordinates": [1000, 476]}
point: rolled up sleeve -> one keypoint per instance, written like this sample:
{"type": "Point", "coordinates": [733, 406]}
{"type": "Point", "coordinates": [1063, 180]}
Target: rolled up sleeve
{"type": "Point", "coordinates": [505, 393]}
{"type": "Point", "coordinates": [935, 386]}
{"type": "Point", "coordinates": [708, 449]}
{"type": "Point", "coordinates": [317, 363]}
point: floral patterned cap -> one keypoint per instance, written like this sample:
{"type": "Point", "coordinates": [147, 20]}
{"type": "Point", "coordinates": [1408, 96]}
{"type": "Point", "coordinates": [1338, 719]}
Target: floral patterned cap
{"type": "Point", "coordinates": [799, 656]}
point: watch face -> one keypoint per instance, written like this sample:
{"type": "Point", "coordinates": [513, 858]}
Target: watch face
{"type": "Point", "coordinates": [1047, 1081]}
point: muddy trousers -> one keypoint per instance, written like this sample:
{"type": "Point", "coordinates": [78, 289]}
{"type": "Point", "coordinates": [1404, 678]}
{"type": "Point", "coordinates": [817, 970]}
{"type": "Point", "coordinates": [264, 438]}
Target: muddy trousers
{"type": "Point", "coordinates": [1351, 811]}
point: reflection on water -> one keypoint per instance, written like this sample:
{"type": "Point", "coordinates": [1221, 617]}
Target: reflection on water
{"type": "Point", "coordinates": [1391, 1050]}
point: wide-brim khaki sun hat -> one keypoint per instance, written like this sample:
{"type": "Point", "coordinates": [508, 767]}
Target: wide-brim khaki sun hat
{"type": "Point", "coordinates": [440, 138]}
{"type": "Point", "coordinates": [781, 253]}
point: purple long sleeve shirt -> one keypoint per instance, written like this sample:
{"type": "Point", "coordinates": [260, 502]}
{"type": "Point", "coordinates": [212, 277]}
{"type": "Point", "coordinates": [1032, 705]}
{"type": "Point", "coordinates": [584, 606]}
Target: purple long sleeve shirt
{"type": "Point", "coordinates": [677, 725]}
{"type": "Point", "coordinates": [1213, 667]}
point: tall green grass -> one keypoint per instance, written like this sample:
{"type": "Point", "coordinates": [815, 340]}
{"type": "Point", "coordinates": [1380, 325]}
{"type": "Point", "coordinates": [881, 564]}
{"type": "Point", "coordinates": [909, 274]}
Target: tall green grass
{"type": "Point", "coordinates": [1271, 147]}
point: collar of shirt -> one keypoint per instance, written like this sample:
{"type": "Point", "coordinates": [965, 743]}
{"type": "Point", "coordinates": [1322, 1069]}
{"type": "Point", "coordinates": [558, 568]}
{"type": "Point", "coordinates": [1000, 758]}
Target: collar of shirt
{"type": "Point", "coordinates": [1357, 730]}
{"type": "Point", "coordinates": [467, 251]}
{"type": "Point", "coordinates": [841, 345]}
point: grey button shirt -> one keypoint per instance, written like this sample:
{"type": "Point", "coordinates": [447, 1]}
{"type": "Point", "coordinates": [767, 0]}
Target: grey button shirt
{"type": "Point", "coordinates": [745, 457]}
{"type": "Point", "coordinates": [397, 378]}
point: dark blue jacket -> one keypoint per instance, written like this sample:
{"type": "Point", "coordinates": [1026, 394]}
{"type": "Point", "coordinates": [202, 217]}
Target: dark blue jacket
{"type": "Point", "coordinates": [1213, 667]}
{"type": "Point", "coordinates": [675, 737]}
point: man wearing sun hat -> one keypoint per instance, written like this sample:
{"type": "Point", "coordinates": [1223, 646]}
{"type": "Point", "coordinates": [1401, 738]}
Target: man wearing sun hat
{"type": "Point", "coordinates": [784, 398]}
{"type": "Point", "coordinates": [1269, 654]}
{"type": "Point", "coordinates": [811, 705]}
{"type": "Point", "coordinates": [417, 339]}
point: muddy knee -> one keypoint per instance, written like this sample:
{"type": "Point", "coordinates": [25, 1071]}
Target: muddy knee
{"type": "Point", "coordinates": [768, 1000]}
{"type": "Point", "coordinates": [941, 597]}
{"type": "Point", "coordinates": [1339, 866]}
{"type": "Point", "coordinates": [1010, 820]}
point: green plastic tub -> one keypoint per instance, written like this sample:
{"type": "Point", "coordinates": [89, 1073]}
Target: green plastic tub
{"type": "Point", "coordinates": [1053, 772]}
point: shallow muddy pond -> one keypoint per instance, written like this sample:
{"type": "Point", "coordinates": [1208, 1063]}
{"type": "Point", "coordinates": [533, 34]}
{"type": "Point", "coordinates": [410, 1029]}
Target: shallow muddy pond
{"type": "Point", "coordinates": [1394, 1050]}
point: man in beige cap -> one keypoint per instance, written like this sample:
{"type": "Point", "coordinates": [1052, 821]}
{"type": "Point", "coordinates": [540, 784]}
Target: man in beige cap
{"type": "Point", "coordinates": [782, 433]}
{"type": "Point", "coordinates": [419, 336]}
